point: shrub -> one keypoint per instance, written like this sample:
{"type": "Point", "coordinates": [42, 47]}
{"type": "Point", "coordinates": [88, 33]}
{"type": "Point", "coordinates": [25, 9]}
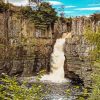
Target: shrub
{"type": "Point", "coordinates": [10, 89]}
{"type": "Point", "coordinates": [94, 39]}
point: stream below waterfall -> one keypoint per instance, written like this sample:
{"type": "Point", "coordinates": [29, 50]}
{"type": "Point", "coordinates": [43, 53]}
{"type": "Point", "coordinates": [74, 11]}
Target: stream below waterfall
{"type": "Point", "coordinates": [56, 91]}
{"type": "Point", "coordinates": [59, 92]}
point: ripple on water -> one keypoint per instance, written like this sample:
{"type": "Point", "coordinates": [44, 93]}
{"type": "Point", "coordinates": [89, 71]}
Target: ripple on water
{"type": "Point", "coordinates": [58, 97]}
{"type": "Point", "coordinates": [57, 91]}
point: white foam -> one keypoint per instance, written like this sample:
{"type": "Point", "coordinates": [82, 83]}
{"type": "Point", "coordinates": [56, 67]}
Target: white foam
{"type": "Point", "coordinates": [57, 62]}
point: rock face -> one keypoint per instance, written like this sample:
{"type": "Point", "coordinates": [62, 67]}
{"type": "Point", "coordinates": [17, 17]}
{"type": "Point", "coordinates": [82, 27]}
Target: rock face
{"type": "Point", "coordinates": [77, 50]}
{"type": "Point", "coordinates": [29, 49]}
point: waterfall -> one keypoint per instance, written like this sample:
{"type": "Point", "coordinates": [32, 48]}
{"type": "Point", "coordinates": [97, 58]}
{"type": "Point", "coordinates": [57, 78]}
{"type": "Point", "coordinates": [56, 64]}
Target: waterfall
{"type": "Point", "coordinates": [57, 61]}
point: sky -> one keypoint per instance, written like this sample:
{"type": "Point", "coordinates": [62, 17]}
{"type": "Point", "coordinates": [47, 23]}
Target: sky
{"type": "Point", "coordinates": [69, 7]}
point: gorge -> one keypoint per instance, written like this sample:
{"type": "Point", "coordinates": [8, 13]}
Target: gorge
{"type": "Point", "coordinates": [38, 40]}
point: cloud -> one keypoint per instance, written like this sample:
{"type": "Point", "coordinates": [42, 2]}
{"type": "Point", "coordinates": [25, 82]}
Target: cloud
{"type": "Point", "coordinates": [18, 2]}
{"type": "Point", "coordinates": [70, 6]}
{"type": "Point", "coordinates": [91, 8]}
{"type": "Point", "coordinates": [55, 3]}
{"type": "Point", "coordinates": [93, 4]}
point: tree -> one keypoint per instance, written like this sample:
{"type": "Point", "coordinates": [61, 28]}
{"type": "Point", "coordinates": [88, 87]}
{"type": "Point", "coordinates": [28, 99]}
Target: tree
{"type": "Point", "coordinates": [26, 11]}
{"type": "Point", "coordinates": [44, 16]}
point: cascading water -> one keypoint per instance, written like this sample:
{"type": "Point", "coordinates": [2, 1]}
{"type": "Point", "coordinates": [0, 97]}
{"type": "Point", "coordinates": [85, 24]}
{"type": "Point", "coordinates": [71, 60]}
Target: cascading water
{"type": "Point", "coordinates": [57, 62]}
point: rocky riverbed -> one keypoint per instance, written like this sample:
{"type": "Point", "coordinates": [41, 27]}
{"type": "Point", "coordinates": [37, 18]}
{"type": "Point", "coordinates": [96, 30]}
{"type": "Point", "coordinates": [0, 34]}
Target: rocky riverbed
{"type": "Point", "coordinates": [56, 91]}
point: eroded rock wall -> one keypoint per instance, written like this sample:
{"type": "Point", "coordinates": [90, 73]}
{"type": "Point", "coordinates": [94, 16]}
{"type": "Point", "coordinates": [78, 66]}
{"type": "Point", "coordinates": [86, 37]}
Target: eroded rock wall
{"type": "Point", "coordinates": [77, 49]}
{"type": "Point", "coordinates": [28, 50]}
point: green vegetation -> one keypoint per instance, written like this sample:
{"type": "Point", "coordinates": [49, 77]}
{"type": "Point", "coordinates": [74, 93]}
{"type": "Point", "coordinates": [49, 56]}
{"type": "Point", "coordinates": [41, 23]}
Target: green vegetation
{"type": "Point", "coordinates": [4, 7]}
{"type": "Point", "coordinates": [11, 89]}
{"type": "Point", "coordinates": [96, 83]}
{"type": "Point", "coordinates": [94, 39]}
{"type": "Point", "coordinates": [26, 11]}
{"type": "Point", "coordinates": [43, 17]}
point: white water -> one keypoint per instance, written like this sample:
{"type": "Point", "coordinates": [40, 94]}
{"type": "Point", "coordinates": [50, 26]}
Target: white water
{"type": "Point", "coordinates": [57, 62]}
